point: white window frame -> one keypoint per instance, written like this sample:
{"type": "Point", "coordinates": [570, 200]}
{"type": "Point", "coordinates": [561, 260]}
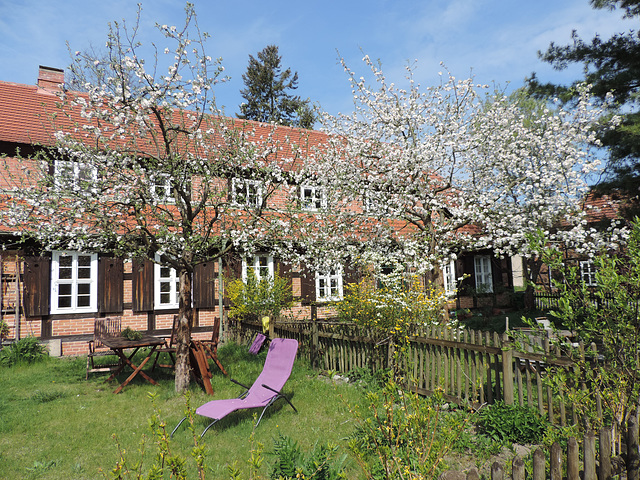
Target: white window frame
{"type": "Point", "coordinates": [251, 199]}
{"type": "Point", "coordinates": [67, 172]}
{"type": "Point", "coordinates": [75, 286]}
{"type": "Point", "coordinates": [161, 188]}
{"type": "Point", "coordinates": [332, 281]}
{"type": "Point", "coordinates": [313, 197]}
{"type": "Point", "coordinates": [449, 279]}
{"type": "Point", "coordinates": [588, 273]}
{"type": "Point", "coordinates": [483, 274]}
{"type": "Point", "coordinates": [165, 275]}
{"type": "Point", "coordinates": [258, 262]}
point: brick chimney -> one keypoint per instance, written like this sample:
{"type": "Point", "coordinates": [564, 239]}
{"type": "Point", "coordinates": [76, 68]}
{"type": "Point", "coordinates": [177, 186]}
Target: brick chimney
{"type": "Point", "coordinates": [50, 78]}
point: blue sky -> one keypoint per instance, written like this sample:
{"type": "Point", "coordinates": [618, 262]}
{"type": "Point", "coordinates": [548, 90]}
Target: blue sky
{"type": "Point", "coordinates": [496, 40]}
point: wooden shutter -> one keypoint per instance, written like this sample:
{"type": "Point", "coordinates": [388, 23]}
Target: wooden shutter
{"type": "Point", "coordinates": [232, 271]}
{"type": "Point", "coordinates": [308, 285]}
{"type": "Point", "coordinates": [143, 284]}
{"type": "Point", "coordinates": [37, 286]}
{"type": "Point", "coordinates": [204, 285]}
{"type": "Point", "coordinates": [350, 275]}
{"type": "Point", "coordinates": [110, 285]}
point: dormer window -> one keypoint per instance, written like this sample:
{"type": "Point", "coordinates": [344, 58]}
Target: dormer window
{"type": "Point", "coordinates": [246, 192]}
{"type": "Point", "coordinates": [161, 190]}
{"type": "Point", "coordinates": [74, 176]}
{"type": "Point", "coordinates": [313, 198]}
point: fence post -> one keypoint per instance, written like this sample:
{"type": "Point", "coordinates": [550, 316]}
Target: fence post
{"type": "Point", "coordinates": [604, 472]}
{"type": "Point", "coordinates": [538, 465]}
{"type": "Point", "coordinates": [555, 461]}
{"type": "Point", "coordinates": [497, 472]}
{"type": "Point", "coordinates": [590, 456]}
{"type": "Point", "coordinates": [517, 468]}
{"type": "Point", "coordinates": [507, 370]}
{"type": "Point", "coordinates": [573, 465]}
{"type": "Point", "coordinates": [633, 445]}
{"type": "Point", "coordinates": [314, 343]}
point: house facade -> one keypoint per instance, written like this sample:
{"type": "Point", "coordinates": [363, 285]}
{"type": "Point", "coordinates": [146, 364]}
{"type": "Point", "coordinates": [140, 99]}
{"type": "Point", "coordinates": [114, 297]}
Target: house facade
{"type": "Point", "coordinates": [56, 295]}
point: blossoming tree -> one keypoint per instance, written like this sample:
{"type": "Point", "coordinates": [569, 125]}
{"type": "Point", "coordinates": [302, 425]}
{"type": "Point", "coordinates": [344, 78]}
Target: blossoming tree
{"type": "Point", "coordinates": [143, 166]}
{"type": "Point", "coordinates": [450, 167]}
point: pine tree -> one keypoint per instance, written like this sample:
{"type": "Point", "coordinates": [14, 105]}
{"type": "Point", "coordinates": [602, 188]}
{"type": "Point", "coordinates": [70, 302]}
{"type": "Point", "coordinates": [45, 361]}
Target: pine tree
{"type": "Point", "coordinates": [610, 65]}
{"type": "Point", "coordinates": [266, 92]}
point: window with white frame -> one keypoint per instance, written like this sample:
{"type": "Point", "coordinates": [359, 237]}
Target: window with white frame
{"type": "Point", "coordinates": [167, 286]}
{"type": "Point", "coordinates": [484, 278]}
{"type": "Point", "coordinates": [313, 198]}
{"type": "Point", "coordinates": [588, 273]}
{"type": "Point", "coordinates": [246, 192]}
{"type": "Point", "coordinates": [261, 265]}
{"type": "Point", "coordinates": [449, 278]}
{"type": "Point", "coordinates": [161, 188]}
{"type": "Point", "coordinates": [329, 285]}
{"type": "Point", "coordinates": [74, 282]}
{"type": "Point", "coordinates": [74, 175]}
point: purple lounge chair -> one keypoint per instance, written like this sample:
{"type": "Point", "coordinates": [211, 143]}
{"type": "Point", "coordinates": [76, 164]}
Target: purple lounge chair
{"type": "Point", "coordinates": [265, 390]}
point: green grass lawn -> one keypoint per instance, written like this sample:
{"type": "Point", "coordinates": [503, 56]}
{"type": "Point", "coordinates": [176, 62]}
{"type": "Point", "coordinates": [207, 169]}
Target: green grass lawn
{"type": "Point", "coordinates": [54, 424]}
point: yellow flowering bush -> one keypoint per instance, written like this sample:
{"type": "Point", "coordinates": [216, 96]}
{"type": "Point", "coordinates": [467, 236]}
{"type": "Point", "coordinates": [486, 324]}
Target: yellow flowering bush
{"type": "Point", "coordinates": [392, 307]}
{"type": "Point", "coordinates": [267, 296]}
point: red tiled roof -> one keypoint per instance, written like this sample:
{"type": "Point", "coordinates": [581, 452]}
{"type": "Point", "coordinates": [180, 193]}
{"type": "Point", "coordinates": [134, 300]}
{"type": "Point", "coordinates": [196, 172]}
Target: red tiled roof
{"type": "Point", "coordinates": [28, 113]}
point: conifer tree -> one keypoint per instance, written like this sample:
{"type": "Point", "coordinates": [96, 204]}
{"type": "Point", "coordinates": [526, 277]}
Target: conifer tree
{"type": "Point", "coordinates": [611, 66]}
{"type": "Point", "coordinates": [267, 92]}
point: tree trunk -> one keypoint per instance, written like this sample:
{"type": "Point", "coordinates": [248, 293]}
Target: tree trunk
{"type": "Point", "coordinates": [183, 333]}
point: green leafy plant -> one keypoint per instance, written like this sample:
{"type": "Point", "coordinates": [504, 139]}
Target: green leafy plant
{"type": "Point", "coordinates": [512, 423]}
{"type": "Point", "coordinates": [165, 462]}
{"type": "Point", "coordinates": [259, 298]}
{"type": "Point", "coordinates": [25, 350]}
{"type": "Point", "coordinates": [131, 334]}
{"type": "Point", "coordinates": [606, 317]}
{"type": "Point", "coordinates": [4, 329]}
{"type": "Point", "coordinates": [319, 464]}
{"type": "Point", "coordinates": [403, 435]}
{"type": "Point", "coordinates": [393, 306]}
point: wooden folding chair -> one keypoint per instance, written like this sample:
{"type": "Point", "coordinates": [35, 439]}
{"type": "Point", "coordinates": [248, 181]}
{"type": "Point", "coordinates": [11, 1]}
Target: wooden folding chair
{"type": "Point", "coordinates": [168, 348]}
{"type": "Point", "coordinates": [211, 346]}
{"type": "Point", "coordinates": [103, 327]}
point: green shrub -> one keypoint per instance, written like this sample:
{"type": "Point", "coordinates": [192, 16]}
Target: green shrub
{"type": "Point", "coordinates": [403, 435]}
{"type": "Point", "coordinates": [393, 306]}
{"type": "Point", "coordinates": [266, 297]}
{"type": "Point", "coordinates": [25, 350]}
{"type": "Point", "coordinates": [512, 423]}
{"type": "Point", "coordinates": [319, 464]}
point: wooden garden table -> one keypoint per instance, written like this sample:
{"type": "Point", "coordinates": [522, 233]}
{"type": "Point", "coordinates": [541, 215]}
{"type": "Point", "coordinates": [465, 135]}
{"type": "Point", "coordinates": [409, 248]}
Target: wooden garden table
{"type": "Point", "coordinates": [119, 344]}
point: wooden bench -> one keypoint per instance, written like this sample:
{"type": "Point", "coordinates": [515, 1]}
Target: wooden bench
{"type": "Point", "coordinates": [103, 327]}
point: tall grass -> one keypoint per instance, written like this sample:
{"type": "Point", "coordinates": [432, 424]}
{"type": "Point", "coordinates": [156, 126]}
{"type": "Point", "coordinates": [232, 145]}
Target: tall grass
{"type": "Point", "coordinates": [54, 424]}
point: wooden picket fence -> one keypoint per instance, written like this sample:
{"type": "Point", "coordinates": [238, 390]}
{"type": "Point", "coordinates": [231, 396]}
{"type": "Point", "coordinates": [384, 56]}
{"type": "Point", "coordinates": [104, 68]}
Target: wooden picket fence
{"type": "Point", "coordinates": [467, 366]}
{"type": "Point", "coordinates": [597, 461]}
{"type": "Point", "coordinates": [464, 365]}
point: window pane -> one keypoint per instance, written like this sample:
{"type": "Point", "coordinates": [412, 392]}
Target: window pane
{"type": "Point", "coordinates": [64, 289]}
{"type": "Point", "coordinates": [64, 302]}
{"type": "Point", "coordinates": [84, 266]}
{"type": "Point", "coordinates": [84, 300]}
{"type": "Point", "coordinates": [65, 271]}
